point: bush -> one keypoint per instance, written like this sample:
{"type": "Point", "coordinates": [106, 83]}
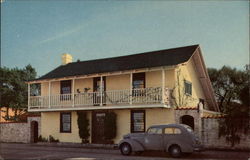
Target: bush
{"type": "Point", "coordinates": [83, 126]}
{"type": "Point", "coordinates": [42, 139]}
{"type": "Point", "coordinates": [52, 139]}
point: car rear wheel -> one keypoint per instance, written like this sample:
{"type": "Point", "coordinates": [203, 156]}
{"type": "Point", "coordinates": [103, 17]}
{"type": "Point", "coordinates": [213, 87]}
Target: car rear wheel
{"type": "Point", "coordinates": [125, 149]}
{"type": "Point", "coordinates": [175, 151]}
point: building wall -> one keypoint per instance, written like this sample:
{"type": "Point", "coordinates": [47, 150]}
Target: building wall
{"type": "Point", "coordinates": [187, 72]}
{"type": "Point", "coordinates": [50, 123]}
{"type": "Point", "coordinates": [84, 83]}
{"type": "Point", "coordinates": [118, 82]}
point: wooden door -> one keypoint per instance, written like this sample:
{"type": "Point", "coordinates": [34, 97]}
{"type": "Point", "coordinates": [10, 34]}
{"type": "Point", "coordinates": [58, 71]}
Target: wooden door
{"type": "Point", "coordinates": [98, 127]}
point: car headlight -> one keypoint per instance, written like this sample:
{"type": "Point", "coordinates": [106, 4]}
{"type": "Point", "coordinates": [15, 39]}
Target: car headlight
{"type": "Point", "coordinates": [126, 137]}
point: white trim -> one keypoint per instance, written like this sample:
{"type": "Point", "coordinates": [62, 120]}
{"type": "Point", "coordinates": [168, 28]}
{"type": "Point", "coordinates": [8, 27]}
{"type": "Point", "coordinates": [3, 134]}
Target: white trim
{"type": "Point", "coordinates": [28, 95]}
{"type": "Point", "coordinates": [101, 89]}
{"type": "Point", "coordinates": [49, 92]}
{"type": "Point", "coordinates": [100, 108]}
{"type": "Point", "coordinates": [131, 88]}
{"type": "Point", "coordinates": [73, 92]}
{"type": "Point", "coordinates": [163, 85]}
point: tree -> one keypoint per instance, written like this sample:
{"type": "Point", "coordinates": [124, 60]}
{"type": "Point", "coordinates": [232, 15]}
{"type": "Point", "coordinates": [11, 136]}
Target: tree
{"type": "Point", "coordinates": [83, 126]}
{"type": "Point", "coordinates": [231, 88]}
{"type": "Point", "coordinates": [14, 90]}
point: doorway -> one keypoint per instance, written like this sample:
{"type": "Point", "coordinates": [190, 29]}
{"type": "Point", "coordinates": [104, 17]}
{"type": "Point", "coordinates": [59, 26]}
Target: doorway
{"type": "Point", "coordinates": [188, 120]}
{"type": "Point", "coordinates": [34, 131]}
{"type": "Point", "coordinates": [98, 127]}
{"type": "Point", "coordinates": [97, 89]}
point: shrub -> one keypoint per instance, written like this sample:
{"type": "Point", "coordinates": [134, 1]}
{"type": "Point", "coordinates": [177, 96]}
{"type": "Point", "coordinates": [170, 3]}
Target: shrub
{"type": "Point", "coordinates": [42, 139]}
{"type": "Point", "coordinates": [52, 139]}
{"type": "Point", "coordinates": [83, 126]}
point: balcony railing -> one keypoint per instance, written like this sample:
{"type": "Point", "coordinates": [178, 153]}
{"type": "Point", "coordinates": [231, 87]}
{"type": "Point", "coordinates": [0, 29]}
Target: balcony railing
{"type": "Point", "coordinates": [107, 98]}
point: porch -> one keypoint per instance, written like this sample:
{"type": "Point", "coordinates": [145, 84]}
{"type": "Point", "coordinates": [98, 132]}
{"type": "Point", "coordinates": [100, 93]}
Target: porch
{"type": "Point", "coordinates": [143, 97]}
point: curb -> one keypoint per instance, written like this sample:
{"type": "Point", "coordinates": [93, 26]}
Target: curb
{"type": "Point", "coordinates": [78, 145]}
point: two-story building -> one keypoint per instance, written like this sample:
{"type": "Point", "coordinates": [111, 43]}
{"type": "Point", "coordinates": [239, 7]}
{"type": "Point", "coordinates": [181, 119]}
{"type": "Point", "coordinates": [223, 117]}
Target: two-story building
{"type": "Point", "coordinates": [158, 87]}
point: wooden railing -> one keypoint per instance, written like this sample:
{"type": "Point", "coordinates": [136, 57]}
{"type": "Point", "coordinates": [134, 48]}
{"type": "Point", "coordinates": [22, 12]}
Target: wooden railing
{"type": "Point", "coordinates": [107, 98]}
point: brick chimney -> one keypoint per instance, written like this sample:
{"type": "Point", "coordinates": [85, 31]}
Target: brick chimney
{"type": "Point", "coordinates": [66, 58]}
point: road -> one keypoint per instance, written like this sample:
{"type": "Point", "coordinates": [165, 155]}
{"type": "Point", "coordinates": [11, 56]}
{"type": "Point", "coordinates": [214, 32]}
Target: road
{"type": "Point", "coordinates": [33, 151]}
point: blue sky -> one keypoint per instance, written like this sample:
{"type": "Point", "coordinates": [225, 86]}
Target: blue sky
{"type": "Point", "coordinates": [37, 32]}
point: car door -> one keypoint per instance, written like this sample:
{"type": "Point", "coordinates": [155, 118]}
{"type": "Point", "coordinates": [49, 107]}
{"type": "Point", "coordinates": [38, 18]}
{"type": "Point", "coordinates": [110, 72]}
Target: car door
{"type": "Point", "coordinates": [154, 139]}
{"type": "Point", "coordinates": [172, 135]}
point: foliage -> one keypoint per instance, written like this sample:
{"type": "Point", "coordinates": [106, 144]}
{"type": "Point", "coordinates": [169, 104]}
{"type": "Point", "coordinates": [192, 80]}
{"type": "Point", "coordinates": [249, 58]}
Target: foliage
{"type": "Point", "coordinates": [83, 125]}
{"type": "Point", "coordinates": [14, 90]}
{"type": "Point", "coordinates": [110, 125]}
{"type": "Point", "coordinates": [52, 139]}
{"type": "Point", "coordinates": [231, 88]}
{"type": "Point", "coordinates": [42, 139]}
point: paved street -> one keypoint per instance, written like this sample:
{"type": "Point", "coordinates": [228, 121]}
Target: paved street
{"type": "Point", "coordinates": [33, 151]}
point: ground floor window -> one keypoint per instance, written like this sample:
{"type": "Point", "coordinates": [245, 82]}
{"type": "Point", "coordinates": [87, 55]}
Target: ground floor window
{"type": "Point", "coordinates": [65, 122]}
{"type": "Point", "coordinates": [137, 121]}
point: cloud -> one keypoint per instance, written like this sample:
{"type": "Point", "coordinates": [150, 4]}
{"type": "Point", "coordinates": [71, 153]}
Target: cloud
{"type": "Point", "coordinates": [63, 34]}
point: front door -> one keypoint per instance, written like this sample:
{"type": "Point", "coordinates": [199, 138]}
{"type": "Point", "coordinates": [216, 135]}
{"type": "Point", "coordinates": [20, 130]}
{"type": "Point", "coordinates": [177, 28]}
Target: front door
{"type": "Point", "coordinates": [97, 89]}
{"type": "Point", "coordinates": [98, 127]}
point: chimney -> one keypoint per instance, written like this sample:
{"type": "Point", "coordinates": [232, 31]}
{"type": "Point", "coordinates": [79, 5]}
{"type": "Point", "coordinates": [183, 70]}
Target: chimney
{"type": "Point", "coordinates": [66, 58]}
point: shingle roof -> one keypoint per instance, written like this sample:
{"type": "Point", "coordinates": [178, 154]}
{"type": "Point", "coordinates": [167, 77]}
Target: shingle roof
{"type": "Point", "coordinates": [166, 57]}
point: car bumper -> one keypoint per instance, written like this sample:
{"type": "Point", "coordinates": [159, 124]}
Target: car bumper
{"type": "Point", "coordinates": [199, 148]}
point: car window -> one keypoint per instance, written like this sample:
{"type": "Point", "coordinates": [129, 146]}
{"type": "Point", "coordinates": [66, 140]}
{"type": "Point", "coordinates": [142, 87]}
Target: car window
{"type": "Point", "coordinates": [172, 131]}
{"type": "Point", "coordinates": [154, 131]}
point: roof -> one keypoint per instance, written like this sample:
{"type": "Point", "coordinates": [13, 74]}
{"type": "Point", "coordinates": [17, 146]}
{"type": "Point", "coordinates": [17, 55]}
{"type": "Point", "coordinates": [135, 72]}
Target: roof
{"type": "Point", "coordinates": [166, 57]}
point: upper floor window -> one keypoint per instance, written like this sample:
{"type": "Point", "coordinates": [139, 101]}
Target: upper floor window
{"type": "Point", "coordinates": [188, 87]}
{"type": "Point", "coordinates": [138, 80]}
{"type": "Point", "coordinates": [65, 89]}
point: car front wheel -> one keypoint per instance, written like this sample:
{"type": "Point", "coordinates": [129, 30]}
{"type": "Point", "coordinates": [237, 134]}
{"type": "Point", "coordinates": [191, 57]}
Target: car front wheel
{"type": "Point", "coordinates": [126, 149]}
{"type": "Point", "coordinates": [175, 151]}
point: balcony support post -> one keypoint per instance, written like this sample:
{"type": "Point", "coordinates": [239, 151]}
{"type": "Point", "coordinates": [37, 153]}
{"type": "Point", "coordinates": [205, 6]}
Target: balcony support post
{"type": "Point", "coordinates": [49, 93]}
{"type": "Point", "coordinates": [163, 85]}
{"type": "Point", "coordinates": [73, 93]}
{"type": "Point", "coordinates": [131, 88]}
{"type": "Point", "coordinates": [101, 90]}
{"type": "Point", "coordinates": [28, 96]}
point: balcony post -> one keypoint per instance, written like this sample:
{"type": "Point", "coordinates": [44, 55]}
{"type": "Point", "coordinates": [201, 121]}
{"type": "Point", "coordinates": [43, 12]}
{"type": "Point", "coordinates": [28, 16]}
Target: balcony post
{"type": "Point", "coordinates": [28, 96]}
{"type": "Point", "coordinates": [49, 92]}
{"type": "Point", "coordinates": [73, 93]}
{"type": "Point", "coordinates": [163, 85]}
{"type": "Point", "coordinates": [101, 87]}
{"type": "Point", "coordinates": [131, 88]}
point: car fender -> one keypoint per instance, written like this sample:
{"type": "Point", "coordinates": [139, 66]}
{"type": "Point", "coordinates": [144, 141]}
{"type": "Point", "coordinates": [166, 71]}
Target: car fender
{"type": "Point", "coordinates": [136, 146]}
{"type": "Point", "coordinates": [184, 147]}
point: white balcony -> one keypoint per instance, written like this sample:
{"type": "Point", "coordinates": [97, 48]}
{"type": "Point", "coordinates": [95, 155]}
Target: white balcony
{"type": "Point", "coordinates": [146, 97]}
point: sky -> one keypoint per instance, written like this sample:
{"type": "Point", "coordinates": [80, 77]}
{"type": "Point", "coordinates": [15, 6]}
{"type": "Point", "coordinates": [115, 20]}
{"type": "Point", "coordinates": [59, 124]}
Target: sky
{"type": "Point", "coordinates": [38, 32]}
